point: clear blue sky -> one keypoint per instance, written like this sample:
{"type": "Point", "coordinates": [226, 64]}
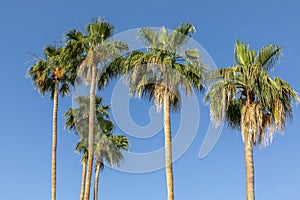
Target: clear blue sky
{"type": "Point", "coordinates": [26, 117]}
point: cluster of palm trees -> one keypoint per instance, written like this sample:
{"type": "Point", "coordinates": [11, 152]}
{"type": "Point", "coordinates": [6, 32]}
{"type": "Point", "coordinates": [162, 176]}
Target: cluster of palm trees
{"type": "Point", "coordinates": [245, 95]}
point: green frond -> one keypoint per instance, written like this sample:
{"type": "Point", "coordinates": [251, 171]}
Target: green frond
{"type": "Point", "coordinates": [243, 55]}
{"type": "Point", "coordinates": [193, 54]}
{"type": "Point", "coordinates": [163, 37]}
{"type": "Point", "coordinates": [148, 34]}
{"type": "Point", "coordinates": [120, 141]}
{"type": "Point", "coordinates": [64, 89]}
{"type": "Point", "coordinates": [233, 113]}
{"type": "Point", "coordinates": [186, 28]}
{"type": "Point", "coordinates": [73, 35]}
{"type": "Point", "coordinates": [268, 57]}
{"type": "Point", "coordinates": [181, 34]}
{"type": "Point", "coordinates": [110, 148]}
{"type": "Point", "coordinates": [98, 31]}
{"type": "Point", "coordinates": [219, 96]}
{"type": "Point", "coordinates": [70, 121]}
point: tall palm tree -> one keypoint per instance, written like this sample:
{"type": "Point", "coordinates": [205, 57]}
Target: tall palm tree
{"type": "Point", "coordinates": [53, 74]}
{"type": "Point", "coordinates": [249, 99]}
{"type": "Point", "coordinates": [160, 71]}
{"type": "Point", "coordinates": [97, 51]}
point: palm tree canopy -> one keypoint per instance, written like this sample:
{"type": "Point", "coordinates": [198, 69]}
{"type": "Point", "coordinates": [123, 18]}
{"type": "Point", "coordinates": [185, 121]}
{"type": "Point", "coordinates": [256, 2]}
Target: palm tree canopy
{"type": "Point", "coordinates": [109, 148]}
{"type": "Point", "coordinates": [58, 64]}
{"type": "Point", "coordinates": [247, 97]}
{"type": "Point", "coordinates": [96, 49]}
{"type": "Point", "coordinates": [106, 145]}
{"type": "Point", "coordinates": [165, 66]}
{"type": "Point", "coordinates": [77, 118]}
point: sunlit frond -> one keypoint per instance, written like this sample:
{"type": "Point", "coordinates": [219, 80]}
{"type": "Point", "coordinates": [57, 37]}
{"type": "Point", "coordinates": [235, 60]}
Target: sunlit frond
{"type": "Point", "coordinates": [268, 57]}
{"type": "Point", "coordinates": [148, 34]}
{"type": "Point", "coordinates": [243, 55]}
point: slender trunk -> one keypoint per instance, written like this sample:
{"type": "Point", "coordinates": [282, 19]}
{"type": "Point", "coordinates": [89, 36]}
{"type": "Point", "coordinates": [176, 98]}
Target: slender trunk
{"type": "Point", "coordinates": [91, 134]}
{"type": "Point", "coordinates": [96, 181]}
{"type": "Point", "coordinates": [83, 180]}
{"type": "Point", "coordinates": [249, 171]}
{"type": "Point", "coordinates": [168, 147]}
{"type": "Point", "coordinates": [54, 138]}
{"type": "Point", "coordinates": [248, 152]}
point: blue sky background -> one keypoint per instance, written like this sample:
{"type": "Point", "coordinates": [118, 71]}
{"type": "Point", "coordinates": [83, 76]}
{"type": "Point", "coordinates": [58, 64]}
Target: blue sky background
{"type": "Point", "coordinates": [26, 117]}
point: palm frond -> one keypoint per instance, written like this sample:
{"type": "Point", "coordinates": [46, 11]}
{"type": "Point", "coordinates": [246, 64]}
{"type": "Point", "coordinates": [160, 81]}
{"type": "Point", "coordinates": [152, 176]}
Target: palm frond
{"type": "Point", "coordinates": [243, 55]}
{"type": "Point", "coordinates": [148, 34]}
{"type": "Point", "coordinates": [268, 57]}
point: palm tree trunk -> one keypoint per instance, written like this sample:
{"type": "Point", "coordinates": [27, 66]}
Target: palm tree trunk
{"type": "Point", "coordinates": [168, 147]}
{"type": "Point", "coordinates": [248, 151]}
{"type": "Point", "coordinates": [91, 134]}
{"type": "Point", "coordinates": [54, 140]}
{"type": "Point", "coordinates": [83, 180]}
{"type": "Point", "coordinates": [96, 181]}
{"type": "Point", "coordinates": [249, 171]}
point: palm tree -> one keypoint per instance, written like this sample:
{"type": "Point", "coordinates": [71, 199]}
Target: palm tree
{"type": "Point", "coordinates": [160, 71]}
{"type": "Point", "coordinates": [53, 74]}
{"type": "Point", "coordinates": [249, 99]}
{"type": "Point", "coordinates": [106, 146]}
{"type": "Point", "coordinates": [97, 51]}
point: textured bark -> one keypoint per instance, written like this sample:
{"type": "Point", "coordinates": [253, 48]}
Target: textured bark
{"type": "Point", "coordinates": [249, 171]}
{"type": "Point", "coordinates": [96, 181]}
{"type": "Point", "coordinates": [248, 142]}
{"type": "Point", "coordinates": [83, 178]}
{"type": "Point", "coordinates": [91, 134]}
{"type": "Point", "coordinates": [168, 148]}
{"type": "Point", "coordinates": [54, 140]}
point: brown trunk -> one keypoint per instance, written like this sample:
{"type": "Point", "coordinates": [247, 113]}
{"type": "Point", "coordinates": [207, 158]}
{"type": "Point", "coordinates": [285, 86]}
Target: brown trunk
{"type": "Point", "coordinates": [91, 134]}
{"type": "Point", "coordinates": [248, 156]}
{"type": "Point", "coordinates": [96, 181]}
{"type": "Point", "coordinates": [168, 148]}
{"type": "Point", "coordinates": [249, 171]}
{"type": "Point", "coordinates": [83, 178]}
{"type": "Point", "coordinates": [54, 140]}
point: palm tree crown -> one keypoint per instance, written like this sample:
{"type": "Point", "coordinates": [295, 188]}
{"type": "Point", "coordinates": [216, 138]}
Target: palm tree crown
{"type": "Point", "coordinates": [55, 66]}
{"type": "Point", "coordinates": [248, 98]}
{"type": "Point", "coordinates": [165, 66]}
